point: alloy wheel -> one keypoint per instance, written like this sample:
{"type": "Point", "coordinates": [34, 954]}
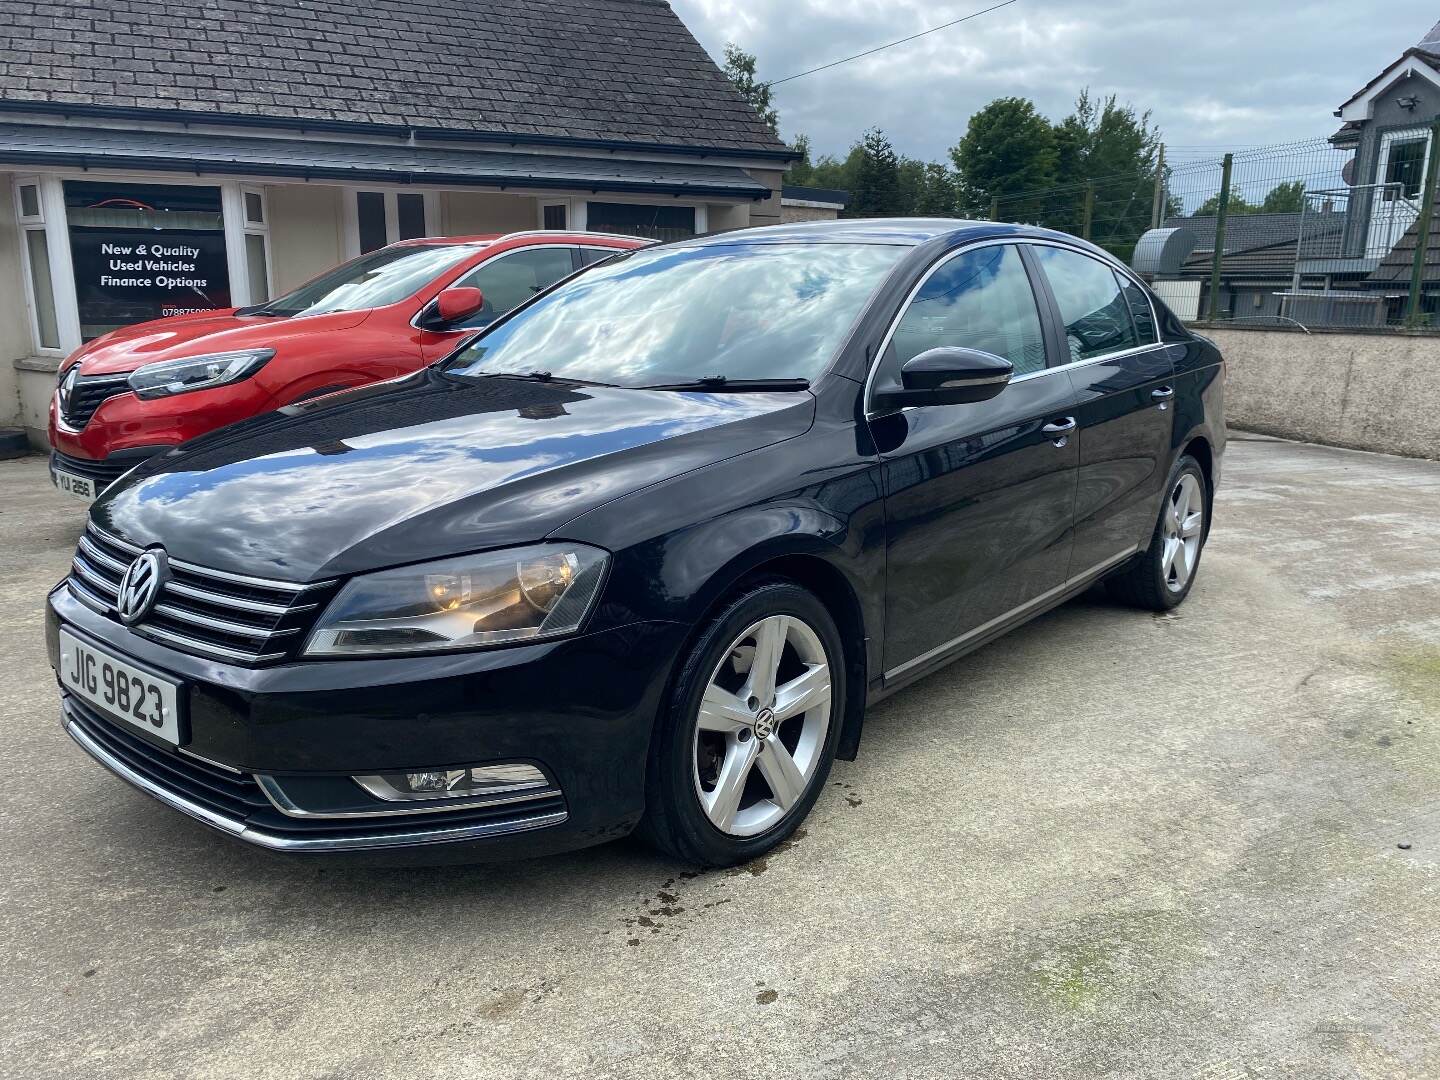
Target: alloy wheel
{"type": "Point", "coordinates": [761, 727]}
{"type": "Point", "coordinates": [1183, 527]}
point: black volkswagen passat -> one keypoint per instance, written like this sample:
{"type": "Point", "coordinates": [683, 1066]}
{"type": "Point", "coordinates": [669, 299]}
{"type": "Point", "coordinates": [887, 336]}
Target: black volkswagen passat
{"type": "Point", "coordinates": [642, 552]}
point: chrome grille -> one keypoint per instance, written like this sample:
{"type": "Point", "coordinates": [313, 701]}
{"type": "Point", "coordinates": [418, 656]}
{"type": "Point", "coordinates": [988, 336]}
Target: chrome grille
{"type": "Point", "coordinates": [209, 612]}
{"type": "Point", "coordinates": [88, 394]}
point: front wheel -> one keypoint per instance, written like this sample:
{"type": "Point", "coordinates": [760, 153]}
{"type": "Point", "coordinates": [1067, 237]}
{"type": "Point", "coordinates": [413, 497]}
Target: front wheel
{"type": "Point", "coordinates": [743, 751]}
{"type": "Point", "coordinates": [1163, 576]}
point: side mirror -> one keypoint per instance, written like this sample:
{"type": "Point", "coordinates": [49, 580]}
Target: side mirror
{"type": "Point", "coordinates": [458, 302]}
{"type": "Point", "coordinates": [948, 376]}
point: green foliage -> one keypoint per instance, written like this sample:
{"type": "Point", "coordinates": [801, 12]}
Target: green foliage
{"type": "Point", "coordinates": [740, 68]}
{"type": "Point", "coordinates": [1008, 148]}
{"type": "Point", "coordinates": [1285, 198]}
{"type": "Point", "coordinates": [877, 191]}
{"type": "Point", "coordinates": [1236, 205]}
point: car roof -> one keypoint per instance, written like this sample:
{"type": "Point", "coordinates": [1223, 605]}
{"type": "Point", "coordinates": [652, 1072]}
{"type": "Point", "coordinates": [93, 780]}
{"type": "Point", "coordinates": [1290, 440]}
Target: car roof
{"type": "Point", "coordinates": [532, 236]}
{"type": "Point", "coordinates": [908, 232]}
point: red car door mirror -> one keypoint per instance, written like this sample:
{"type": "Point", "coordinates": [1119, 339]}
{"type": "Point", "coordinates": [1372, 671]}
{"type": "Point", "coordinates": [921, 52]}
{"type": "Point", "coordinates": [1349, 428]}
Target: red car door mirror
{"type": "Point", "coordinates": [456, 303]}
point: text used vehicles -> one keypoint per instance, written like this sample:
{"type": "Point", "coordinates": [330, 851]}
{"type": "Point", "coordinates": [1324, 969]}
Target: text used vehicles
{"type": "Point", "coordinates": [640, 553]}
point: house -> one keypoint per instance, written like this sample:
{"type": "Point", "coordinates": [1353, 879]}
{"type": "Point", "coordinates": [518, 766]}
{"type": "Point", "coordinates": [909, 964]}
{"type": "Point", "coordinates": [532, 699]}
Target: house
{"type": "Point", "coordinates": [1257, 266]}
{"type": "Point", "coordinates": [811, 203]}
{"type": "Point", "coordinates": [158, 157]}
{"type": "Point", "coordinates": [1386, 130]}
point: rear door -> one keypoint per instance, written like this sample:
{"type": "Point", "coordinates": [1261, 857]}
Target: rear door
{"type": "Point", "coordinates": [1124, 381]}
{"type": "Point", "coordinates": [979, 499]}
{"type": "Point", "coordinates": [507, 280]}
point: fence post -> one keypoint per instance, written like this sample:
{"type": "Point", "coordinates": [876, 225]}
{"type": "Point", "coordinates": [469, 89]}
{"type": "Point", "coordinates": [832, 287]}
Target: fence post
{"type": "Point", "coordinates": [1089, 215]}
{"type": "Point", "coordinates": [1157, 208]}
{"type": "Point", "coordinates": [1413, 315]}
{"type": "Point", "coordinates": [1220, 215]}
{"type": "Point", "coordinates": [995, 209]}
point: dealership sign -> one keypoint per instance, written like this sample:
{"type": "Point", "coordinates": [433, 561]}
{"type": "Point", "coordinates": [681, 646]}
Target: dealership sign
{"type": "Point", "coordinates": [128, 275]}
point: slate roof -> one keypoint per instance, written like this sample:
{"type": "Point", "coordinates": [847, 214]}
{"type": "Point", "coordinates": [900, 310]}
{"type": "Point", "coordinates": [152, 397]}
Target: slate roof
{"type": "Point", "coordinates": [1255, 244]}
{"type": "Point", "coordinates": [613, 70]}
{"type": "Point", "coordinates": [1399, 262]}
{"type": "Point", "coordinates": [33, 144]}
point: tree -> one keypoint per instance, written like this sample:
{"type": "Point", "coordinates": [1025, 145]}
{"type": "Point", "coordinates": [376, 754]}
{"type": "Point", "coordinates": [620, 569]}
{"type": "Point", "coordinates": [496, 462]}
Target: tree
{"type": "Point", "coordinates": [1008, 147]}
{"type": "Point", "coordinates": [1112, 150]}
{"type": "Point", "coordinates": [740, 69]}
{"type": "Point", "coordinates": [1285, 198]}
{"type": "Point", "coordinates": [877, 178]}
{"type": "Point", "coordinates": [1237, 205]}
{"type": "Point", "coordinates": [802, 171]}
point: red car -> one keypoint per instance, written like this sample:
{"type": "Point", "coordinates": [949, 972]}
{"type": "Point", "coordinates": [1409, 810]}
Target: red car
{"type": "Point", "coordinates": [142, 389]}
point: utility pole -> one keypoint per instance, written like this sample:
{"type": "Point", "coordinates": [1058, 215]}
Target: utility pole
{"type": "Point", "coordinates": [1413, 315]}
{"type": "Point", "coordinates": [1220, 216]}
{"type": "Point", "coordinates": [1157, 208]}
{"type": "Point", "coordinates": [995, 208]}
{"type": "Point", "coordinates": [1088, 221]}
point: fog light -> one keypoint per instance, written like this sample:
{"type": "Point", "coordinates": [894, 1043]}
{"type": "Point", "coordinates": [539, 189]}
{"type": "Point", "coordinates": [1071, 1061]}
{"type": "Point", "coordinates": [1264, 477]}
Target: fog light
{"type": "Point", "coordinates": [453, 783]}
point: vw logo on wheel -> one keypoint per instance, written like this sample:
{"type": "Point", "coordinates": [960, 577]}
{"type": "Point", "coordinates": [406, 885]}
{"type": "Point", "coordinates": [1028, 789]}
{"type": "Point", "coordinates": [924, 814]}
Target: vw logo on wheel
{"type": "Point", "coordinates": [764, 724]}
{"type": "Point", "coordinates": [140, 587]}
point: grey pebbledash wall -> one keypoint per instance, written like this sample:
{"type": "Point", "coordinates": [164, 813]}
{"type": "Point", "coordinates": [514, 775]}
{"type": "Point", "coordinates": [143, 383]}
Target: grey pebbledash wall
{"type": "Point", "coordinates": [1376, 392]}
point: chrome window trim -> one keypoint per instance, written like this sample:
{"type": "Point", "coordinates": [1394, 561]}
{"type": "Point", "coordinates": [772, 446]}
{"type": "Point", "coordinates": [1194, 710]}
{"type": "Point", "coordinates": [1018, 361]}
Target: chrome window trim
{"type": "Point", "coordinates": [1049, 594]}
{"type": "Point", "coordinates": [260, 838]}
{"type": "Point", "coordinates": [287, 806]}
{"type": "Point", "coordinates": [1013, 241]}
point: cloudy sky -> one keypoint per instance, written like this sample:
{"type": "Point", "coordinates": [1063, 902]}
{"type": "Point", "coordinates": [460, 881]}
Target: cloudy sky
{"type": "Point", "coordinates": [1216, 74]}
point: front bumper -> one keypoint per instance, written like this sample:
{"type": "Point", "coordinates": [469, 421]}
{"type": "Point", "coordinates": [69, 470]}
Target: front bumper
{"type": "Point", "coordinates": [581, 709]}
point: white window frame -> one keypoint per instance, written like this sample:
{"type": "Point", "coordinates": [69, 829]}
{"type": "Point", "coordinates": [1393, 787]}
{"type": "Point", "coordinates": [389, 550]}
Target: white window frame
{"type": "Point", "coordinates": [392, 214]}
{"type": "Point", "coordinates": [572, 206]}
{"type": "Point", "coordinates": [257, 228]}
{"type": "Point", "coordinates": [702, 210]}
{"type": "Point", "coordinates": [50, 220]}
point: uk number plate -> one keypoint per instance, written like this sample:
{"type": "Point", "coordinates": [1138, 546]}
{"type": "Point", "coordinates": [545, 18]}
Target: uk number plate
{"type": "Point", "coordinates": [78, 486]}
{"type": "Point", "coordinates": [119, 689]}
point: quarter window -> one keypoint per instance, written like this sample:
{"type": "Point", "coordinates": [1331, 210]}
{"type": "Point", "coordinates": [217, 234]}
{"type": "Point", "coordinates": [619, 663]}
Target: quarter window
{"type": "Point", "coordinates": [1095, 313]}
{"type": "Point", "coordinates": [510, 280]}
{"type": "Point", "coordinates": [978, 300]}
{"type": "Point", "coordinates": [1140, 310]}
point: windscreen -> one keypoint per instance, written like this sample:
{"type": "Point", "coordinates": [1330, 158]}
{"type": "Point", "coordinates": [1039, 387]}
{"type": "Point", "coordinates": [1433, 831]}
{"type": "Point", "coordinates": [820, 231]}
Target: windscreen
{"type": "Point", "coordinates": [674, 315]}
{"type": "Point", "coordinates": [383, 277]}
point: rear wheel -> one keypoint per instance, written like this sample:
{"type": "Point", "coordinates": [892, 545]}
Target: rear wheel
{"type": "Point", "coordinates": [744, 748]}
{"type": "Point", "coordinates": [1162, 578]}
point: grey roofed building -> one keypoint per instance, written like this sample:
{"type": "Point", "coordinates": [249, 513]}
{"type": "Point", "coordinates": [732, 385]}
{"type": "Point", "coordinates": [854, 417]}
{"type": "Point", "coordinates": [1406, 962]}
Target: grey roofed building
{"type": "Point", "coordinates": [614, 70]}
{"type": "Point", "coordinates": [276, 138]}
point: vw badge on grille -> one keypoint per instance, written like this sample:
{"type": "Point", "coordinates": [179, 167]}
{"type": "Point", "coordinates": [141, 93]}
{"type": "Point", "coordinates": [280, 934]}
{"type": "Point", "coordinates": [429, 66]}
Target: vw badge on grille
{"type": "Point", "coordinates": [140, 587]}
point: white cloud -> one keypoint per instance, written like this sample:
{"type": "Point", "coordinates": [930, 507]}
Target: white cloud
{"type": "Point", "coordinates": [1229, 72]}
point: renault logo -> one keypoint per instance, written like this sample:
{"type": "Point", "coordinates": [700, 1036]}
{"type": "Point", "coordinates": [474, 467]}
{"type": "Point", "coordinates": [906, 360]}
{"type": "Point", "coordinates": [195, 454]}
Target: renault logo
{"type": "Point", "coordinates": [140, 586]}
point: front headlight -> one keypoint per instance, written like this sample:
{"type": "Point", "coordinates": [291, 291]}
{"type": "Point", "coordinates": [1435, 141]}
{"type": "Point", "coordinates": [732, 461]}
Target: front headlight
{"type": "Point", "coordinates": [196, 372]}
{"type": "Point", "coordinates": [464, 603]}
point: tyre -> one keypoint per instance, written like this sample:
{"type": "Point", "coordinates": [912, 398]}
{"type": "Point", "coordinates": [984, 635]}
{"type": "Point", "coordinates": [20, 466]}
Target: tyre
{"type": "Point", "coordinates": [1163, 576]}
{"type": "Point", "coordinates": [747, 739]}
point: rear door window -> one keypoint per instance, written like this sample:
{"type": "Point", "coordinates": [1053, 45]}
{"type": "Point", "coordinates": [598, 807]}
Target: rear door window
{"type": "Point", "coordinates": [1140, 310]}
{"type": "Point", "coordinates": [1093, 308]}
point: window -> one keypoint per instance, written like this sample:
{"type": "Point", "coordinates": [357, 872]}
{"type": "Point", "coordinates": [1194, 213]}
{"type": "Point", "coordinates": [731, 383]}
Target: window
{"type": "Point", "coordinates": [677, 314]}
{"type": "Point", "coordinates": [509, 280]}
{"type": "Point", "coordinates": [378, 218]}
{"type": "Point", "coordinates": [553, 216]}
{"type": "Point", "coordinates": [589, 256]}
{"type": "Point", "coordinates": [1141, 311]}
{"type": "Point", "coordinates": [1406, 167]}
{"type": "Point", "coordinates": [257, 245]}
{"type": "Point", "coordinates": [371, 281]}
{"type": "Point", "coordinates": [978, 300]}
{"type": "Point", "coordinates": [1095, 312]}
{"type": "Point", "coordinates": [144, 251]}
{"type": "Point", "coordinates": [636, 219]}
{"type": "Point", "coordinates": [41, 292]}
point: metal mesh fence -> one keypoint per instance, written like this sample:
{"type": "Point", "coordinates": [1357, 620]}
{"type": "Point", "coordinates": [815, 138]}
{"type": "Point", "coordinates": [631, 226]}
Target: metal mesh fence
{"type": "Point", "coordinates": [1319, 233]}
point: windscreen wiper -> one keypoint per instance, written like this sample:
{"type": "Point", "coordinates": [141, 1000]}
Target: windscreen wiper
{"type": "Point", "coordinates": [537, 376]}
{"type": "Point", "coordinates": [722, 384]}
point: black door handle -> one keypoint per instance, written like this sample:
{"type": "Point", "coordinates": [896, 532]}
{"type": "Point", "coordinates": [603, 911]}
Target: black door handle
{"type": "Point", "coordinates": [1163, 393]}
{"type": "Point", "coordinates": [1060, 428]}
